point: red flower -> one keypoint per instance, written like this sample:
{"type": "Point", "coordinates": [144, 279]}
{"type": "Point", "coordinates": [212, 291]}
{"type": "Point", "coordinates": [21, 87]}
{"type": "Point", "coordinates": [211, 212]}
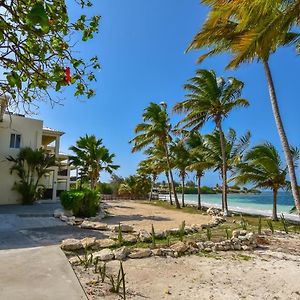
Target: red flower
{"type": "Point", "coordinates": [68, 75]}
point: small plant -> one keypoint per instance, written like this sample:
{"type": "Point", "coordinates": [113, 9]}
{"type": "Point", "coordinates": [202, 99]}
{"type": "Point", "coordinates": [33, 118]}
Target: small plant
{"type": "Point", "coordinates": [168, 240]}
{"type": "Point", "coordinates": [101, 269]}
{"type": "Point", "coordinates": [228, 233]}
{"type": "Point", "coordinates": [181, 230]}
{"type": "Point", "coordinates": [116, 282]}
{"type": "Point", "coordinates": [120, 235]}
{"type": "Point", "coordinates": [208, 233]}
{"type": "Point", "coordinates": [244, 223]}
{"type": "Point", "coordinates": [153, 236]}
{"type": "Point", "coordinates": [87, 259]}
{"type": "Point", "coordinates": [284, 223]}
{"type": "Point", "coordinates": [270, 224]}
{"type": "Point", "coordinates": [259, 226]}
{"type": "Point", "coordinates": [123, 280]}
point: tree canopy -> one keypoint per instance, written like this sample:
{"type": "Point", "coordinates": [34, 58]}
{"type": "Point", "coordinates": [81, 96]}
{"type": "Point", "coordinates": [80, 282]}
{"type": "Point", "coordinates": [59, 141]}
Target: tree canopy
{"type": "Point", "coordinates": [37, 51]}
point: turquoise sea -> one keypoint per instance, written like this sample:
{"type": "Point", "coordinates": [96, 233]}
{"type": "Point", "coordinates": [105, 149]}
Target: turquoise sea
{"type": "Point", "coordinates": [262, 202]}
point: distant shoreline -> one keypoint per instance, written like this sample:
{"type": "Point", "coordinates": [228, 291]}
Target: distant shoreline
{"type": "Point", "coordinates": [294, 218]}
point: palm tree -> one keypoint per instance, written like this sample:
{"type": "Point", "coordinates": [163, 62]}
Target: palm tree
{"type": "Point", "coordinates": [157, 156]}
{"type": "Point", "coordinates": [31, 165]}
{"type": "Point", "coordinates": [253, 30]}
{"type": "Point", "coordinates": [263, 167]}
{"type": "Point", "coordinates": [137, 186]}
{"type": "Point", "coordinates": [211, 98]}
{"type": "Point", "coordinates": [234, 150]}
{"type": "Point", "coordinates": [199, 160]}
{"type": "Point", "coordinates": [149, 167]}
{"type": "Point", "coordinates": [182, 159]}
{"type": "Point", "coordinates": [155, 131]}
{"type": "Point", "coordinates": [92, 157]}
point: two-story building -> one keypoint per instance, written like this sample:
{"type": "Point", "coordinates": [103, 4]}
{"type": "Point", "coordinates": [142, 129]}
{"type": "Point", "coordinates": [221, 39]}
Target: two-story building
{"type": "Point", "coordinates": [18, 131]}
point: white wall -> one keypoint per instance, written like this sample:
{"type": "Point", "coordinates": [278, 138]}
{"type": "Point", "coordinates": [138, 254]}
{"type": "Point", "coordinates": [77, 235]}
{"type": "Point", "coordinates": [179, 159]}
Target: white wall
{"type": "Point", "coordinates": [31, 136]}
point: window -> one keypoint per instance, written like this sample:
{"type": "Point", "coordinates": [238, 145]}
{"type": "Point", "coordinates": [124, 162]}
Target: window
{"type": "Point", "coordinates": [15, 141]}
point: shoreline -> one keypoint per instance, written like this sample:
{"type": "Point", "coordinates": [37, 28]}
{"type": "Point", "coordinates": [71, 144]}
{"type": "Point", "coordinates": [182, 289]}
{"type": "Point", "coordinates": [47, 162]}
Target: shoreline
{"type": "Point", "coordinates": [293, 218]}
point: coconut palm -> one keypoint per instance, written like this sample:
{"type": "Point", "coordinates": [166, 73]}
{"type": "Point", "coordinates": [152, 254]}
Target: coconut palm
{"type": "Point", "coordinates": [182, 159]}
{"type": "Point", "coordinates": [253, 30]}
{"type": "Point", "coordinates": [157, 155]}
{"type": "Point", "coordinates": [155, 131]}
{"type": "Point", "coordinates": [211, 98]}
{"type": "Point", "coordinates": [234, 150]}
{"type": "Point", "coordinates": [199, 160]}
{"type": "Point", "coordinates": [137, 186]}
{"type": "Point", "coordinates": [263, 167]}
{"type": "Point", "coordinates": [92, 157]}
{"type": "Point", "coordinates": [150, 167]}
{"type": "Point", "coordinates": [31, 165]}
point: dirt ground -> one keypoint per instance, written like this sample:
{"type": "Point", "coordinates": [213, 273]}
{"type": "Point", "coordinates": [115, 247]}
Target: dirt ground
{"type": "Point", "coordinates": [267, 273]}
{"type": "Point", "coordinates": [141, 216]}
{"type": "Point", "coordinates": [272, 271]}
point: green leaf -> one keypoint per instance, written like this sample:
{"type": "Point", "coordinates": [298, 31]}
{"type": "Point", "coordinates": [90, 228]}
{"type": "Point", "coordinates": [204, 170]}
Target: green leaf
{"type": "Point", "coordinates": [38, 16]}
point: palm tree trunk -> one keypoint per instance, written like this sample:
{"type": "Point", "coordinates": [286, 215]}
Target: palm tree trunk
{"type": "Point", "coordinates": [199, 190]}
{"type": "Point", "coordinates": [171, 175]}
{"type": "Point", "coordinates": [182, 189]}
{"type": "Point", "coordinates": [274, 214]}
{"type": "Point", "coordinates": [282, 135]}
{"type": "Point", "coordinates": [224, 169]}
{"type": "Point", "coordinates": [169, 186]}
{"type": "Point", "coordinates": [151, 193]}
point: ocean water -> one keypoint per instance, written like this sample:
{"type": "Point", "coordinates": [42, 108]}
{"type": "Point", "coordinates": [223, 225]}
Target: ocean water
{"type": "Point", "coordinates": [262, 202]}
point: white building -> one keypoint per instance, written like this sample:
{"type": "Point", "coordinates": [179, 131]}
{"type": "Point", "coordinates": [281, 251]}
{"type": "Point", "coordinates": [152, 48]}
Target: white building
{"type": "Point", "coordinates": [18, 131]}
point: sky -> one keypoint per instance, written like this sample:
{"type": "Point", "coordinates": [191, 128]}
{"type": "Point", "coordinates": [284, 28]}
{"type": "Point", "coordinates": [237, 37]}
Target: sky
{"type": "Point", "coordinates": [141, 46]}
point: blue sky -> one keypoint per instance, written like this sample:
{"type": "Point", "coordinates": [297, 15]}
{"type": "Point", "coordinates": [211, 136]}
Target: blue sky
{"type": "Point", "coordinates": [141, 49]}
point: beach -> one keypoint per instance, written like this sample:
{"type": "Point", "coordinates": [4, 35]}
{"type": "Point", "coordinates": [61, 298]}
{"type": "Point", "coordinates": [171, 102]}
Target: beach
{"type": "Point", "coordinates": [252, 204]}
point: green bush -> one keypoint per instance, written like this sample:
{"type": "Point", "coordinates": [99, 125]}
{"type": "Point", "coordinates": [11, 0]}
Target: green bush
{"type": "Point", "coordinates": [83, 203]}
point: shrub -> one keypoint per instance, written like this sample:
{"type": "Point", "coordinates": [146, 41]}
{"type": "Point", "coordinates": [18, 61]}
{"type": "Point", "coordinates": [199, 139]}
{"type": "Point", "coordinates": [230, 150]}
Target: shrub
{"type": "Point", "coordinates": [83, 203]}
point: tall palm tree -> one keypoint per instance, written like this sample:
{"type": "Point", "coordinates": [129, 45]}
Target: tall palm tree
{"type": "Point", "coordinates": [263, 167]}
{"type": "Point", "coordinates": [92, 157]}
{"type": "Point", "coordinates": [182, 159]}
{"type": "Point", "coordinates": [155, 131]}
{"type": "Point", "coordinates": [199, 160]}
{"type": "Point", "coordinates": [234, 150]}
{"type": "Point", "coordinates": [253, 30]}
{"type": "Point", "coordinates": [211, 98]}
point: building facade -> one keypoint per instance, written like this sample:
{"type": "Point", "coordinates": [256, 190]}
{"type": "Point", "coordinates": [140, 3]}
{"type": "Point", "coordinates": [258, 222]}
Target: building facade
{"type": "Point", "coordinates": [18, 131]}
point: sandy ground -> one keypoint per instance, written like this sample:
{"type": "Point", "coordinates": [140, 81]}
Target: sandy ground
{"type": "Point", "coordinates": [270, 272]}
{"type": "Point", "coordinates": [142, 216]}
{"type": "Point", "coordinates": [267, 273]}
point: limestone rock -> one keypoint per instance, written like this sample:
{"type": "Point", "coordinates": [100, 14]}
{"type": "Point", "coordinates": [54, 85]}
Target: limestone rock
{"type": "Point", "coordinates": [93, 225]}
{"type": "Point", "coordinates": [74, 261]}
{"type": "Point", "coordinates": [235, 233]}
{"type": "Point", "coordinates": [71, 244]}
{"type": "Point", "coordinates": [64, 218]}
{"type": "Point", "coordinates": [121, 253]}
{"type": "Point", "coordinates": [105, 243]}
{"type": "Point", "coordinates": [88, 242]}
{"type": "Point", "coordinates": [129, 238]}
{"type": "Point", "coordinates": [144, 236]}
{"type": "Point", "coordinates": [160, 234]}
{"type": "Point", "coordinates": [213, 211]}
{"type": "Point", "coordinates": [200, 245]}
{"type": "Point", "coordinates": [179, 247]}
{"type": "Point", "coordinates": [157, 252]}
{"type": "Point", "coordinates": [104, 255]}
{"type": "Point", "coordinates": [140, 253]}
{"type": "Point", "coordinates": [167, 252]}
{"type": "Point", "coordinates": [124, 228]}
{"type": "Point", "coordinates": [58, 213]}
